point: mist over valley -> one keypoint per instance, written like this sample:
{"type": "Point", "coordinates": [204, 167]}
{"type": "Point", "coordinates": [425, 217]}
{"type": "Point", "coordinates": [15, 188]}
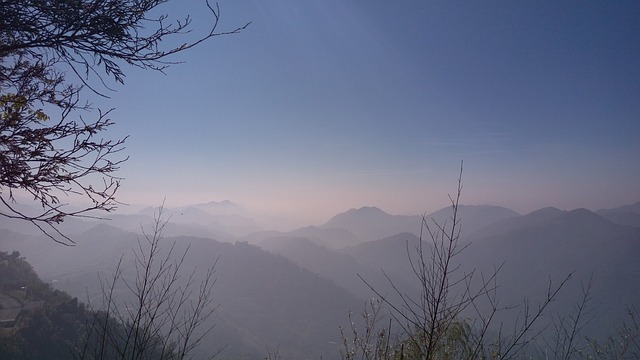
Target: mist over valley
{"type": "Point", "coordinates": [304, 180]}
{"type": "Point", "coordinates": [293, 290]}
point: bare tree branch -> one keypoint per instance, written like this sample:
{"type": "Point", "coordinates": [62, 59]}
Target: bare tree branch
{"type": "Point", "coordinates": [165, 315]}
{"type": "Point", "coordinates": [48, 151]}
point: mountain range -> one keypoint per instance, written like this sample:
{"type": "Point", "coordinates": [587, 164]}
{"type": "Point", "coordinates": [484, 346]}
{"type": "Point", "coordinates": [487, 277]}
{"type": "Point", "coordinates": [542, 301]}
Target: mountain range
{"type": "Point", "coordinates": [293, 290]}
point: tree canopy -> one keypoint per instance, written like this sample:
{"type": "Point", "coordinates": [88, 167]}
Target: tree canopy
{"type": "Point", "coordinates": [49, 148]}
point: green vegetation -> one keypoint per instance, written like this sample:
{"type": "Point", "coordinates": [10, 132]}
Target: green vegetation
{"type": "Point", "coordinates": [49, 322]}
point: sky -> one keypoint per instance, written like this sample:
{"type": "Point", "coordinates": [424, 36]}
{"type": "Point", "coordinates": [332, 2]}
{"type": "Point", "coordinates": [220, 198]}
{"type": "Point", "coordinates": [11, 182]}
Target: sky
{"type": "Point", "coordinates": [322, 106]}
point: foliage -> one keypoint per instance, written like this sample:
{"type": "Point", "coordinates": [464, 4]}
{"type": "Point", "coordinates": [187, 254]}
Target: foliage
{"type": "Point", "coordinates": [624, 344]}
{"type": "Point", "coordinates": [48, 330]}
{"type": "Point", "coordinates": [16, 272]}
{"type": "Point", "coordinates": [374, 343]}
{"type": "Point", "coordinates": [47, 149]}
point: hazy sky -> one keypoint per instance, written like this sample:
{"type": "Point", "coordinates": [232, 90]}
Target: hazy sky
{"type": "Point", "coordinates": [320, 106]}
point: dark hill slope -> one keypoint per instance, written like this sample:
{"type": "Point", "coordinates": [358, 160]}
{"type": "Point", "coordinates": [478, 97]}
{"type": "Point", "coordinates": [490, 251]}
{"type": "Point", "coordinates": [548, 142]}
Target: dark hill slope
{"type": "Point", "coordinates": [508, 224]}
{"type": "Point", "coordinates": [275, 303]}
{"type": "Point", "coordinates": [623, 215]}
{"type": "Point", "coordinates": [266, 301]}
{"type": "Point", "coordinates": [387, 259]}
{"type": "Point", "coordinates": [337, 265]}
{"type": "Point", "coordinates": [371, 223]}
{"type": "Point", "coordinates": [473, 217]}
{"type": "Point", "coordinates": [549, 245]}
{"type": "Point", "coordinates": [340, 268]}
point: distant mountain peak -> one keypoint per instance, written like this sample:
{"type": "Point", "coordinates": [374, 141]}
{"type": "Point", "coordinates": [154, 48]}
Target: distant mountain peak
{"type": "Point", "coordinates": [635, 207]}
{"type": "Point", "coordinates": [623, 215]}
{"type": "Point", "coordinates": [365, 213]}
{"type": "Point", "coordinates": [219, 203]}
{"type": "Point", "coordinates": [103, 228]}
{"type": "Point", "coordinates": [226, 207]}
{"type": "Point", "coordinates": [372, 223]}
{"type": "Point", "coordinates": [368, 210]}
{"type": "Point", "coordinates": [545, 212]}
{"type": "Point", "coordinates": [586, 216]}
{"type": "Point", "coordinates": [581, 211]}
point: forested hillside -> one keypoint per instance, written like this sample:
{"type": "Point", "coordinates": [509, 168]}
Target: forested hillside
{"type": "Point", "coordinates": [37, 321]}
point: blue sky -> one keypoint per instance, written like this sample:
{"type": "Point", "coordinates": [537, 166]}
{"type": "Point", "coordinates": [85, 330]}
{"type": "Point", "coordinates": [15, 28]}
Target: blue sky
{"type": "Point", "coordinates": [320, 106]}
